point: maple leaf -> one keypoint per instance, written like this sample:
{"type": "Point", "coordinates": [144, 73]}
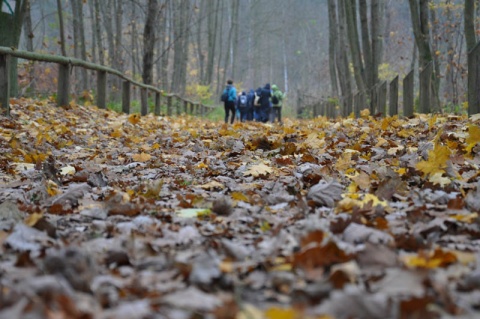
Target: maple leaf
{"type": "Point", "coordinates": [142, 157]}
{"type": "Point", "coordinates": [437, 160]}
{"type": "Point", "coordinates": [258, 170]}
{"type": "Point", "coordinates": [473, 137]}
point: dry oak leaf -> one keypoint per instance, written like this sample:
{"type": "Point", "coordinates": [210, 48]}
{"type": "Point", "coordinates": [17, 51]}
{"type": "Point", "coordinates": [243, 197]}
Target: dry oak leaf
{"type": "Point", "coordinates": [437, 160]}
{"type": "Point", "coordinates": [326, 193]}
{"type": "Point", "coordinates": [142, 157]}
{"type": "Point", "coordinates": [258, 170]}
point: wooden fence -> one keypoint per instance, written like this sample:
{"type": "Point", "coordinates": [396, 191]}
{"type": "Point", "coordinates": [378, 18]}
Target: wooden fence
{"type": "Point", "coordinates": [379, 98]}
{"type": "Point", "coordinates": [65, 64]}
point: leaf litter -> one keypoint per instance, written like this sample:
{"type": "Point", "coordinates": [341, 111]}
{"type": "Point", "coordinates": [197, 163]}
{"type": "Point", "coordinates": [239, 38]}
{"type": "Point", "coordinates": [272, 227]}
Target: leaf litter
{"type": "Point", "coordinates": [122, 216]}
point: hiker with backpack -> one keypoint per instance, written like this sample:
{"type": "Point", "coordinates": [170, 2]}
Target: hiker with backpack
{"type": "Point", "coordinates": [256, 104]}
{"type": "Point", "coordinates": [242, 105]}
{"type": "Point", "coordinates": [277, 98]}
{"type": "Point", "coordinates": [265, 104]}
{"type": "Point", "coordinates": [250, 105]}
{"type": "Point", "coordinates": [229, 96]}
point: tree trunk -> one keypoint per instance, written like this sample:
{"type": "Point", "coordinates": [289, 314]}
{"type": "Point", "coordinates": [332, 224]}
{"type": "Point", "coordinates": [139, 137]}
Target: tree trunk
{"type": "Point", "coordinates": [10, 30]}
{"type": "Point", "coordinates": [28, 33]}
{"type": "Point", "coordinates": [332, 45]}
{"type": "Point", "coordinates": [469, 24]}
{"type": "Point", "coordinates": [200, 53]}
{"type": "Point", "coordinates": [344, 75]}
{"type": "Point", "coordinates": [149, 41]}
{"type": "Point", "coordinates": [358, 67]}
{"type": "Point", "coordinates": [98, 31]}
{"type": "Point", "coordinates": [377, 27]}
{"type": "Point", "coordinates": [91, 11]}
{"type": "Point", "coordinates": [366, 43]}
{"type": "Point", "coordinates": [212, 9]}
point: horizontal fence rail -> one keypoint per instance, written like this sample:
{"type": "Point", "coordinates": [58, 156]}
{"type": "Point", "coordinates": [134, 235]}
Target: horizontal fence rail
{"type": "Point", "coordinates": [65, 65]}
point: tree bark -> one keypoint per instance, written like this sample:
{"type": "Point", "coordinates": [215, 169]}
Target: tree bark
{"type": "Point", "coordinates": [98, 31]}
{"type": "Point", "coordinates": [10, 31]}
{"type": "Point", "coordinates": [149, 37]}
{"type": "Point", "coordinates": [469, 24]}
{"type": "Point", "coordinates": [344, 75]}
{"type": "Point", "coordinates": [353, 39]}
{"type": "Point", "coordinates": [332, 45]}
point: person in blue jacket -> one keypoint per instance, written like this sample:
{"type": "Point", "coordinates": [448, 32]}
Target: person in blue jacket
{"type": "Point", "coordinates": [230, 94]}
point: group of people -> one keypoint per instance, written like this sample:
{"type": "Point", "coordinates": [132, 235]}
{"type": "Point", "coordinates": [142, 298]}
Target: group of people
{"type": "Point", "coordinates": [260, 105]}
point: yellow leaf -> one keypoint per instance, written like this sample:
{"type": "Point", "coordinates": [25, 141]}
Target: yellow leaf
{"type": "Point", "coordinates": [365, 113]}
{"type": "Point", "coordinates": [430, 260]}
{"type": "Point", "coordinates": [344, 162]}
{"type": "Point", "coordinates": [370, 198]}
{"type": "Point", "coordinates": [280, 313]}
{"type": "Point", "coordinates": [473, 137]}
{"type": "Point", "coordinates": [116, 133]}
{"type": "Point", "coordinates": [52, 188]}
{"type": "Point", "coordinates": [142, 157]}
{"type": "Point", "coordinates": [239, 196]}
{"type": "Point", "coordinates": [470, 218]}
{"type": "Point", "coordinates": [257, 170]}
{"type": "Point", "coordinates": [134, 118]}
{"type": "Point", "coordinates": [33, 219]}
{"type": "Point", "coordinates": [202, 165]}
{"type": "Point", "coordinates": [437, 160]}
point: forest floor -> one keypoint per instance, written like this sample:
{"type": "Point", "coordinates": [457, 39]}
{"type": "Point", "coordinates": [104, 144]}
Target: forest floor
{"type": "Point", "coordinates": [120, 216]}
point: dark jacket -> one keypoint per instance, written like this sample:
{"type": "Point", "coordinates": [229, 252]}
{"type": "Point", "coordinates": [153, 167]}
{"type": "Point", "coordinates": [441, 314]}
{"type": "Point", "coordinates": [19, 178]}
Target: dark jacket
{"type": "Point", "coordinates": [265, 96]}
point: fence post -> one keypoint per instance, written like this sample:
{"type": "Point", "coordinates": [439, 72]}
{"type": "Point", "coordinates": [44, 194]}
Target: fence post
{"type": "Point", "coordinates": [408, 97]}
{"type": "Point", "coordinates": [474, 80]}
{"type": "Point", "coordinates": [143, 101]}
{"type": "Point", "coordinates": [158, 101]}
{"type": "Point", "coordinates": [63, 88]}
{"type": "Point", "coordinates": [349, 105]}
{"type": "Point", "coordinates": [426, 89]}
{"type": "Point", "coordinates": [126, 97]}
{"type": "Point", "coordinates": [356, 105]}
{"type": "Point", "coordinates": [393, 103]}
{"type": "Point", "coordinates": [169, 105]}
{"type": "Point", "coordinates": [101, 89]}
{"type": "Point", "coordinates": [5, 84]}
{"type": "Point", "coordinates": [382, 98]}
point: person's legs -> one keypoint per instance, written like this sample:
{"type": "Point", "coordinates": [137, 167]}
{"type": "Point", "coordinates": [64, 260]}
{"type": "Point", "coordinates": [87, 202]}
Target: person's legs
{"type": "Point", "coordinates": [227, 110]}
{"type": "Point", "coordinates": [232, 109]}
{"type": "Point", "coordinates": [280, 114]}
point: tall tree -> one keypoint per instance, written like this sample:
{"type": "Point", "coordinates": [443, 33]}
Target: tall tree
{"type": "Point", "coordinates": [332, 45]}
{"type": "Point", "coordinates": [419, 12]}
{"type": "Point", "coordinates": [149, 41]}
{"type": "Point", "coordinates": [469, 23]}
{"type": "Point", "coordinates": [11, 23]}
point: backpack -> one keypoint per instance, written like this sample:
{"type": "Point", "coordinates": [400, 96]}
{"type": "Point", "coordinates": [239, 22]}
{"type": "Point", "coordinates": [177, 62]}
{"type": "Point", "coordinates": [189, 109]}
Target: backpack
{"type": "Point", "coordinates": [243, 101]}
{"type": "Point", "coordinates": [256, 100]}
{"type": "Point", "coordinates": [224, 97]}
{"type": "Point", "coordinates": [275, 100]}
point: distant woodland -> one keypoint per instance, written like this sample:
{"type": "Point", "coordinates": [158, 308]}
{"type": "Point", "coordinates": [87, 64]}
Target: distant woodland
{"type": "Point", "coordinates": [318, 48]}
